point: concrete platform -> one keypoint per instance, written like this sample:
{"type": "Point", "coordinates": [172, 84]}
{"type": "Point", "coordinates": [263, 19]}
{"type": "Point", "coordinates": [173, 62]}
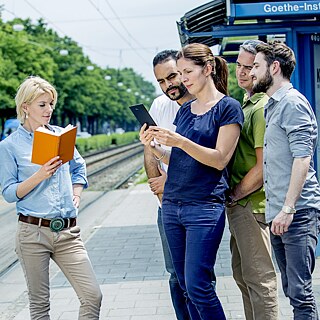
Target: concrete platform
{"type": "Point", "coordinates": [122, 239]}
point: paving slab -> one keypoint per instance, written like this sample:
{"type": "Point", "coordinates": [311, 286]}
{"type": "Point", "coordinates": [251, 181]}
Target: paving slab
{"type": "Point", "coordinates": [122, 239]}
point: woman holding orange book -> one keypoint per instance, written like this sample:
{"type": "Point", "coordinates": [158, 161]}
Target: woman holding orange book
{"type": "Point", "coordinates": [47, 199]}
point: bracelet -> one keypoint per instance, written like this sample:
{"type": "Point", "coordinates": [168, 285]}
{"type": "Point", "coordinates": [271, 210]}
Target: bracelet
{"type": "Point", "coordinates": [162, 156]}
{"type": "Point", "coordinates": [76, 195]}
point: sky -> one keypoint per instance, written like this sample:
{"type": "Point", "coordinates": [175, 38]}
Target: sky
{"type": "Point", "coordinates": [113, 33]}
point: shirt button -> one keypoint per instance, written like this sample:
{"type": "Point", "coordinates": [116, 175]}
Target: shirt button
{"type": "Point", "coordinates": [265, 162]}
{"type": "Point", "coordinates": [266, 126]}
{"type": "Point", "coordinates": [267, 199]}
{"type": "Point", "coordinates": [265, 181]}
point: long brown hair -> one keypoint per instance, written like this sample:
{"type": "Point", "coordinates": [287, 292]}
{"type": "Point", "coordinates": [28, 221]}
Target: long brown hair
{"type": "Point", "coordinates": [201, 55]}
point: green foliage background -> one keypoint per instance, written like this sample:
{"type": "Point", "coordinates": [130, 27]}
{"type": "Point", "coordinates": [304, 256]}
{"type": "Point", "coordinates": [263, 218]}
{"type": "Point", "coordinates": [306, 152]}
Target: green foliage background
{"type": "Point", "coordinates": [103, 141]}
{"type": "Point", "coordinates": [85, 96]}
{"type": "Point", "coordinates": [235, 91]}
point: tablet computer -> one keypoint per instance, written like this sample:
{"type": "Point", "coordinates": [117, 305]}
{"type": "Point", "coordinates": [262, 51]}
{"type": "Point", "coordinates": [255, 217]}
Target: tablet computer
{"type": "Point", "coordinates": [142, 115]}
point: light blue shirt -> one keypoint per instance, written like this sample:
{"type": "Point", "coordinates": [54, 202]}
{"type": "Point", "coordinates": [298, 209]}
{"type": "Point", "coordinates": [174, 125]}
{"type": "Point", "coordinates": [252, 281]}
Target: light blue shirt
{"type": "Point", "coordinates": [50, 198]}
{"type": "Point", "coordinates": [291, 132]}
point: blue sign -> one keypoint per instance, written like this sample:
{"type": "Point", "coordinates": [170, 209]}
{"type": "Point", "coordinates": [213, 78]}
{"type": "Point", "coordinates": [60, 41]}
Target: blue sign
{"type": "Point", "coordinates": [271, 9]}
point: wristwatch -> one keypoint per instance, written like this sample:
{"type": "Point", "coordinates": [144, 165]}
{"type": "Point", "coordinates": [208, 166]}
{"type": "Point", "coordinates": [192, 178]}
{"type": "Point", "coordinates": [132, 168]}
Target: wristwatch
{"type": "Point", "coordinates": [289, 210]}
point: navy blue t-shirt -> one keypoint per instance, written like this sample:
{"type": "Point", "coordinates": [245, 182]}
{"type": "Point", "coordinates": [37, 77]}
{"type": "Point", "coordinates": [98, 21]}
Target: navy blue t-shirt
{"type": "Point", "coordinates": [188, 179]}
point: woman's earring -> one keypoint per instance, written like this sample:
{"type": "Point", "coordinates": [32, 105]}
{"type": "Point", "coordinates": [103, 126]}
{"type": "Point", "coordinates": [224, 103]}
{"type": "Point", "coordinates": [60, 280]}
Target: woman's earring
{"type": "Point", "coordinates": [27, 115]}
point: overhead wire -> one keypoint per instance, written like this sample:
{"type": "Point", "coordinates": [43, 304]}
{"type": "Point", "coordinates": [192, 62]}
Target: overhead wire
{"type": "Point", "coordinates": [122, 18]}
{"type": "Point", "coordinates": [41, 14]}
{"type": "Point", "coordinates": [117, 32]}
{"type": "Point", "coordinates": [104, 18]}
{"type": "Point", "coordinates": [59, 29]}
{"type": "Point", "coordinates": [89, 47]}
{"type": "Point", "coordinates": [11, 12]}
{"type": "Point", "coordinates": [123, 26]}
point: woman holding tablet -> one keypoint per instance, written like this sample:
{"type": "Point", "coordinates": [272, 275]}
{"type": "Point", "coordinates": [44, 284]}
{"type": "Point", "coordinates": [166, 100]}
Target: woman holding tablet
{"type": "Point", "coordinates": [206, 136]}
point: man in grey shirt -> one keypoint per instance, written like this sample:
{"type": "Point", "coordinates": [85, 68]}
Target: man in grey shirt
{"type": "Point", "coordinates": [291, 187]}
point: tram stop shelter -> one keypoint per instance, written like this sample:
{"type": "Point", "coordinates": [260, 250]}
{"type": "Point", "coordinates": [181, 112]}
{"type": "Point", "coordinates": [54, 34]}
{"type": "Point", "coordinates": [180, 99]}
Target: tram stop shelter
{"type": "Point", "coordinates": [224, 24]}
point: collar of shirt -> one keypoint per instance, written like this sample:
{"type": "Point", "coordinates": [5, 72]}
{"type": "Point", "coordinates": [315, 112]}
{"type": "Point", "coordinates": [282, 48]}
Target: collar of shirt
{"type": "Point", "coordinates": [253, 99]}
{"type": "Point", "coordinates": [25, 133]}
{"type": "Point", "coordinates": [28, 134]}
{"type": "Point", "coordinates": [278, 95]}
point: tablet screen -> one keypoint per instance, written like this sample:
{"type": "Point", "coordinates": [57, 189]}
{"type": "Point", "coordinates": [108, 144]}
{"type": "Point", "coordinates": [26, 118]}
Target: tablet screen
{"type": "Point", "coordinates": [142, 115]}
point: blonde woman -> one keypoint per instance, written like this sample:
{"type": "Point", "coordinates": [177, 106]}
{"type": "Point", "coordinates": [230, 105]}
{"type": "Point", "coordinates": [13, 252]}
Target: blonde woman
{"type": "Point", "coordinates": [47, 199]}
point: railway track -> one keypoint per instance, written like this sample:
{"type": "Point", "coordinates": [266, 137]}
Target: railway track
{"type": "Point", "coordinates": [107, 170]}
{"type": "Point", "coordinates": [114, 171]}
{"type": "Point", "coordinates": [98, 159]}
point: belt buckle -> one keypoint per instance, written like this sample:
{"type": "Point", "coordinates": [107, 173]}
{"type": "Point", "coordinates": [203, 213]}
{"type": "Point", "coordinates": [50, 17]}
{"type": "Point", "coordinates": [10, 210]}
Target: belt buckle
{"type": "Point", "coordinates": [56, 224]}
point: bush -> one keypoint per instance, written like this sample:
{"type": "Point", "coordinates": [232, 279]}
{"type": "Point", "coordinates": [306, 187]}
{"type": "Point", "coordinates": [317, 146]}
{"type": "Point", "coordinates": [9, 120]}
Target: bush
{"type": "Point", "coordinates": [103, 141]}
{"type": "Point", "coordinates": [124, 138]}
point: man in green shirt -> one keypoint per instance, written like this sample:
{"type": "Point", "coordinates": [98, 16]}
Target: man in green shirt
{"type": "Point", "coordinates": [252, 265]}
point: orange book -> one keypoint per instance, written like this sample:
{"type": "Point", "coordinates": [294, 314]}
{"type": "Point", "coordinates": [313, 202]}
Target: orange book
{"type": "Point", "coordinates": [48, 144]}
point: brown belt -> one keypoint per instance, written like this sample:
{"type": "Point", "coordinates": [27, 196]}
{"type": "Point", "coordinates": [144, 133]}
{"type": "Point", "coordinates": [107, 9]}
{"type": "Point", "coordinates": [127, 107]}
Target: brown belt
{"type": "Point", "coordinates": [55, 224]}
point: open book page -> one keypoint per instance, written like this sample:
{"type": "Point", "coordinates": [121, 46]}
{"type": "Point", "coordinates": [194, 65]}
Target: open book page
{"type": "Point", "coordinates": [67, 128]}
{"type": "Point", "coordinates": [47, 145]}
{"type": "Point", "coordinates": [45, 130]}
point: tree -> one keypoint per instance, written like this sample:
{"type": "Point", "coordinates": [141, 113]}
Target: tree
{"type": "Point", "coordinates": [84, 96]}
{"type": "Point", "coordinates": [235, 91]}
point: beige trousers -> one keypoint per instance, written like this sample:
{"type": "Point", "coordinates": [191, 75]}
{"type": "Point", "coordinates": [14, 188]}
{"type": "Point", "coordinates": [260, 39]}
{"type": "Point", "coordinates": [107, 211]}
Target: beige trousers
{"type": "Point", "coordinates": [35, 246]}
{"type": "Point", "coordinates": [252, 265]}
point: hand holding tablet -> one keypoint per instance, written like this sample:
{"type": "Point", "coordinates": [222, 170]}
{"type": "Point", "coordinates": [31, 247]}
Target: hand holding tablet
{"type": "Point", "coordinates": [142, 115]}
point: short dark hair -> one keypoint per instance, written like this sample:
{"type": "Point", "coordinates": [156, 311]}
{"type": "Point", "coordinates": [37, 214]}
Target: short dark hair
{"type": "Point", "coordinates": [278, 51]}
{"type": "Point", "coordinates": [164, 56]}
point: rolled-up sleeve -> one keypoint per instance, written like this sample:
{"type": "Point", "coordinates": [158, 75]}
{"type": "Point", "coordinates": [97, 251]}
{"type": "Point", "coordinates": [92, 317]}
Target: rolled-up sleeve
{"type": "Point", "coordinates": [8, 174]}
{"type": "Point", "coordinates": [78, 170]}
{"type": "Point", "coordinates": [299, 123]}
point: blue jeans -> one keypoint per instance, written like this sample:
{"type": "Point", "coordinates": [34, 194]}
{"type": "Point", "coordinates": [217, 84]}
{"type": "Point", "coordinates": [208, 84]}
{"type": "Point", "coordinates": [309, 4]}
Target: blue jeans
{"type": "Point", "coordinates": [295, 254]}
{"type": "Point", "coordinates": [177, 294]}
{"type": "Point", "coordinates": [194, 232]}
